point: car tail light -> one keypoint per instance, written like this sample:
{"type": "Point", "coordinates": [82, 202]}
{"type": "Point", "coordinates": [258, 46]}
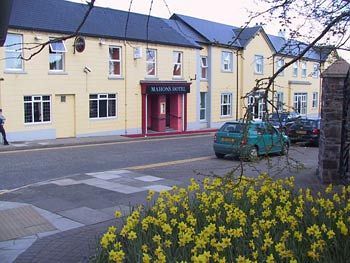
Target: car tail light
{"type": "Point", "coordinates": [316, 131]}
{"type": "Point", "coordinates": [215, 138]}
{"type": "Point", "coordinates": [244, 141]}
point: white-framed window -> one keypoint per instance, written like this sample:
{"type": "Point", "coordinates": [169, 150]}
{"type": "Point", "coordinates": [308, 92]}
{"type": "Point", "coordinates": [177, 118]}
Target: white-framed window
{"type": "Point", "coordinates": [226, 104]}
{"type": "Point", "coordinates": [226, 61]}
{"type": "Point", "coordinates": [57, 48]}
{"type": "Point", "coordinates": [257, 105]}
{"type": "Point", "coordinates": [279, 102]}
{"type": "Point", "coordinates": [204, 67]}
{"type": "Point", "coordinates": [13, 52]}
{"type": "Point", "coordinates": [37, 109]}
{"type": "Point", "coordinates": [115, 61]}
{"type": "Point", "coordinates": [295, 69]}
{"type": "Point", "coordinates": [315, 70]}
{"type": "Point", "coordinates": [314, 100]}
{"type": "Point", "coordinates": [102, 106]}
{"type": "Point", "coordinates": [259, 64]}
{"type": "Point", "coordinates": [177, 62]}
{"type": "Point", "coordinates": [300, 103]}
{"type": "Point", "coordinates": [151, 62]}
{"type": "Point", "coordinates": [303, 69]}
{"type": "Point", "coordinates": [203, 106]}
{"type": "Point", "coordinates": [280, 64]}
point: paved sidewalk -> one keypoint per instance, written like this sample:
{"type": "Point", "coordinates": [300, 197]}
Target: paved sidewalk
{"type": "Point", "coordinates": [61, 220]}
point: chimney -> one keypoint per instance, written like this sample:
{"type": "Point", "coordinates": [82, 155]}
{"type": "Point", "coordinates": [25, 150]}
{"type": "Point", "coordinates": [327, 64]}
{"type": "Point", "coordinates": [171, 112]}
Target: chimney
{"type": "Point", "coordinates": [282, 33]}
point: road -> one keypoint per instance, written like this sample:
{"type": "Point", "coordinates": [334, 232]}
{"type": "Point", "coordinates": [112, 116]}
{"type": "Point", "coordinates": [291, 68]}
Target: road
{"type": "Point", "coordinates": [26, 167]}
{"type": "Point", "coordinates": [22, 168]}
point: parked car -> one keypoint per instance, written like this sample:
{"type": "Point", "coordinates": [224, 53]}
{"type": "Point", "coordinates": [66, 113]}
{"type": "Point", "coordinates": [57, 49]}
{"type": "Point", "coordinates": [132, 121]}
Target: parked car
{"type": "Point", "coordinates": [305, 130]}
{"type": "Point", "coordinates": [249, 140]}
{"type": "Point", "coordinates": [282, 120]}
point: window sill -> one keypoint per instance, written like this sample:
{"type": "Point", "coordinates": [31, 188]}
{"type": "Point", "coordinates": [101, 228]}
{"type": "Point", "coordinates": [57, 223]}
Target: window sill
{"type": "Point", "coordinates": [103, 119]}
{"type": "Point", "coordinates": [178, 78]}
{"type": "Point", "coordinates": [20, 72]}
{"type": "Point", "coordinates": [204, 80]}
{"type": "Point", "coordinates": [226, 117]}
{"type": "Point", "coordinates": [151, 78]}
{"type": "Point", "coordinates": [115, 77]}
{"type": "Point", "coordinates": [226, 71]}
{"type": "Point", "coordinates": [37, 123]}
{"type": "Point", "coordinates": [257, 73]}
{"type": "Point", "coordinates": [57, 73]}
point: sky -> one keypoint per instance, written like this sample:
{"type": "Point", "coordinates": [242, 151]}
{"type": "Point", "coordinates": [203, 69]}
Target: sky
{"type": "Point", "coordinates": [232, 12]}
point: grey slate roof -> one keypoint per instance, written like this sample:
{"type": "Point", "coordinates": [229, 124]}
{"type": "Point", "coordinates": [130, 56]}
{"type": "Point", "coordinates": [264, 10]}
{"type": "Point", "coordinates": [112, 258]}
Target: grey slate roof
{"type": "Point", "coordinates": [218, 33]}
{"type": "Point", "coordinates": [290, 47]}
{"type": "Point", "coordinates": [213, 32]}
{"type": "Point", "coordinates": [223, 34]}
{"type": "Point", "coordinates": [61, 16]}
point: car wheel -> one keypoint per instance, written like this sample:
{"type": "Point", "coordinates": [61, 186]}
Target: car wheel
{"type": "Point", "coordinates": [253, 154]}
{"type": "Point", "coordinates": [285, 148]}
{"type": "Point", "coordinates": [220, 155]}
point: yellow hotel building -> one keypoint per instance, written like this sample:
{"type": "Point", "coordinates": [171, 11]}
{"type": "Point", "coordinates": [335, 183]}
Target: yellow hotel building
{"type": "Point", "coordinates": [133, 74]}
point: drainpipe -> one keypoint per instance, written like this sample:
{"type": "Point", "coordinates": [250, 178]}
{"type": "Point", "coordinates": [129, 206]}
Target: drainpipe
{"type": "Point", "coordinates": [125, 90]}
{"type": "Point", "coordinates": [237, 82]}
{"type": "Point", "coordinates": [273, 83]}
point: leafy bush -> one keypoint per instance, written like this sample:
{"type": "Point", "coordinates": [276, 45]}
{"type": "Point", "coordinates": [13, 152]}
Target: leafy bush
{"type": "Point", "coordinates": [257, 220]}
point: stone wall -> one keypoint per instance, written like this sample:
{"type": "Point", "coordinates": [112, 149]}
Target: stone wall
{"type": "Point", "coordinates": [335, 84]}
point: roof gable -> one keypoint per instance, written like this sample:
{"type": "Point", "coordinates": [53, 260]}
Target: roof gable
{"type": "Point", "coordinates": [291, 47]}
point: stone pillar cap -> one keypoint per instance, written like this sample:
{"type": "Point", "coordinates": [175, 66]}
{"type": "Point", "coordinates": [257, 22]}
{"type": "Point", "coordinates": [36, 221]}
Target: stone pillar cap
{"type": "Point", "coordinates": [339, 69]}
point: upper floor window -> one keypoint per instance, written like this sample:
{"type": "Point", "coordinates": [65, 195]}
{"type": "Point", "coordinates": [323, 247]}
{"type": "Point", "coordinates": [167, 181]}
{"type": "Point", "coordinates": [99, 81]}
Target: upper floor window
{"type": "Point", "coordinates": [226, 105]}
{"type": "Point", "coordinates": [177, 60]}
{"type": "Point", "coordinates": [103, 105]}
{"type": "Point", "coordinates": [115, 61]}
{"type": "Point", "coordinates": [204, 67]}
{"type": "Point", "coordinates": [295, 69]}
{"type": "Point", "coordinates": [151, 62]}
{"type": "Point", "coordinates": [303, 69]}
{"type": "Point", "coordinates": [259, 64]}
{"type": "Point", "coordinates": [226, 61]}
{"type": "Point", "coordinates": [280, 64]}
{"type": "Point", "coordinates": [315, 70]}
{"type": "Point", "coordinates": [13, 52]}
{"type": "Point", "coordinates": [57, 48]}
{"type": "Point", "coordinates": [37, 109]}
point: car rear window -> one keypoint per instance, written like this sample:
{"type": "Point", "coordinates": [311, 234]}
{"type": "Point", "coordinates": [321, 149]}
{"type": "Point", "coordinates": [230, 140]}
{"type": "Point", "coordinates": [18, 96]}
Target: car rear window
{"type": "Point", "coordinates": [309, 123]}
{"type": "Point", "coordinates": [232, 127]}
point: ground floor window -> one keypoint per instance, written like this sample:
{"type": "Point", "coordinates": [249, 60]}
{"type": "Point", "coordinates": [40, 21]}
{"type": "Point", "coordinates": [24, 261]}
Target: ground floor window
{"type": "Point", "coordinates": [314, 99]}
{"type": "Point", "coordinates": [203, 106]}
{"type": "Point", "coordinates": [300, 103]}
{"type": "Point", "coordinates": [103, 105]}
{"type": "Point", "coordinates": [226, 105]}
{"type": "Point", "coordinates": [257, 105]}
{"type": "Point", "coordinates": [37, 109]}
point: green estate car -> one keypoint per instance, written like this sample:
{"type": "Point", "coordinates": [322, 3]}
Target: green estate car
{"type": "Point", "coordinates": [248, 140]}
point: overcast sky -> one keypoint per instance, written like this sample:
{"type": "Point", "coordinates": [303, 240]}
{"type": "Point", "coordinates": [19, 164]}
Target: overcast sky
{"type": "Point", "coordinates": [232, 12]}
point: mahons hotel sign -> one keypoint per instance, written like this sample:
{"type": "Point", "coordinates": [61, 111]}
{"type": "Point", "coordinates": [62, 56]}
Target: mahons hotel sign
{"type": "Point", "coordinates": [167, 89]}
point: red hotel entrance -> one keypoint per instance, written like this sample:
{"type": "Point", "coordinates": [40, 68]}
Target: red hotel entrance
{"type": "Point", "coordinates": [164, 106]}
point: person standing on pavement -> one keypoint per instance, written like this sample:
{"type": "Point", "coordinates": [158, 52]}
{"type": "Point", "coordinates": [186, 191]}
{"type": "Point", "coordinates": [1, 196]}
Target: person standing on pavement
{"type": "Point", "coordinates": [2, 130]}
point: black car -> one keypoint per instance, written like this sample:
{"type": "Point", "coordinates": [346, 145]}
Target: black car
{"type": "Point", "coordinates": [305, 130]}
{"type": "Point", "coordinates": [282, 120]}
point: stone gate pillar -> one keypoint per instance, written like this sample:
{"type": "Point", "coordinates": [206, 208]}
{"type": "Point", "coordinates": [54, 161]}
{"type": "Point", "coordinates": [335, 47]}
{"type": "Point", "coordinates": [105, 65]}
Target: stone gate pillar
{"type": "Point", "coordinates": [334, 87]}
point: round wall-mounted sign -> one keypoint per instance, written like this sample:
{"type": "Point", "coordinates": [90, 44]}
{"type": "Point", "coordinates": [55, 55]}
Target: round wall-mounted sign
{"type": "Point", "coordinates": [79, 44]}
